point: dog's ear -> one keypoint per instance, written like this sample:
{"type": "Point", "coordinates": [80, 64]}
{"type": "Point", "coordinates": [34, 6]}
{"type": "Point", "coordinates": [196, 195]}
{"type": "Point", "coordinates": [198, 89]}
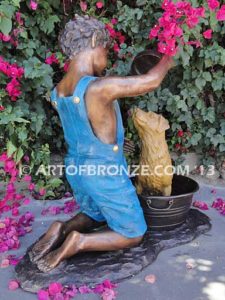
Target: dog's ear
{"type": "Point", "coordinates": [163, 124]}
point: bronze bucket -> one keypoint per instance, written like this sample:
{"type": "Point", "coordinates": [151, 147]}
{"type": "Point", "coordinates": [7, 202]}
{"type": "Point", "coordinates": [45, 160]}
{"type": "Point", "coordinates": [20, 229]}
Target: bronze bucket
{"type": "Point", "coordinates": [144, 61]}
{"type": "Point", "coordinates": [168, 212]}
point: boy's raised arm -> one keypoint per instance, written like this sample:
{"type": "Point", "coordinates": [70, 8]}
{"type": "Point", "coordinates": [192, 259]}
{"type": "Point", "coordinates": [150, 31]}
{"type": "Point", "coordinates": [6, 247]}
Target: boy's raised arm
{"type": "Point", "coordinates": [109, 88]}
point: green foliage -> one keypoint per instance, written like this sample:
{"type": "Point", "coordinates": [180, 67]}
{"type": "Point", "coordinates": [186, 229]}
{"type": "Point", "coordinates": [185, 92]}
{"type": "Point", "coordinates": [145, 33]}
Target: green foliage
{"type": "Point", "coordinates": [191, 97]}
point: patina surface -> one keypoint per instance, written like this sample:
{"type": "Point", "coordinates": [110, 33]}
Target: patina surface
{"type": "Point", "coordinates": [92, 268]}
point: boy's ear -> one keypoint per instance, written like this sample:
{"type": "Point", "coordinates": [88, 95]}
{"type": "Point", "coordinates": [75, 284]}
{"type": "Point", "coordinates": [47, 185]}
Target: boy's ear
{"type": "Point", "coordinates": [94, 39]}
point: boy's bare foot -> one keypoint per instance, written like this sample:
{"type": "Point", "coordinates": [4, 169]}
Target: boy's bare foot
{"type": "Point", "coordinates": [52, 237]}
{"type": "Point", "coordinates": [69, 248]}
{"type": "Point", "coordinates": [50, 261]}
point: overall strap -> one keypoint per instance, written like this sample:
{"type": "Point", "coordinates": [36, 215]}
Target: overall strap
{"type": "Point", "coordinates": [79, 94]}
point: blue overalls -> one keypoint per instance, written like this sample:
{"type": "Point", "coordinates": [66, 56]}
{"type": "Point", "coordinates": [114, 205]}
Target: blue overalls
{"type": "Point", "coordinates": [95, 170]}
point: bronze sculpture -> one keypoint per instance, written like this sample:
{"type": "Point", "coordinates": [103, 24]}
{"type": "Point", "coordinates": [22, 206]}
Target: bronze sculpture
{"type": "Point", "coordinates": [87, 43]}
{"type": "Point", "coordinates": [151, 129]}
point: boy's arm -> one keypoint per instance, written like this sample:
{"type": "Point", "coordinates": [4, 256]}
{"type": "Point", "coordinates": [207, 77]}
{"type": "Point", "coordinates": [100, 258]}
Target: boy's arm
{"type": "Point", "coordinates": [108, 89]}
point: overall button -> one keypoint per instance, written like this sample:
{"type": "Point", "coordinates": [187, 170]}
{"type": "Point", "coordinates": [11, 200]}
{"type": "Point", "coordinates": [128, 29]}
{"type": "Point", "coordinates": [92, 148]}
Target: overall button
{"type": "Point", "coordinates": [115, 148]}
{"type": "Point", "coordinates": [76, 99]}
{"type": "Point", "coordinates": [54, 103]}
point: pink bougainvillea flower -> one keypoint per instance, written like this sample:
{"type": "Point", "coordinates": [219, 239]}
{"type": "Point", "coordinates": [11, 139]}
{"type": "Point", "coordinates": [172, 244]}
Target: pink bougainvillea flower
{"type": "Point", "coordinates": [33, 5]}
{"type": "Point", "coordinates": [27, 178]}
{"type": "Point", "coordinates": [116, 48]}
{"type": "Point", "coordinates": [6, 38]}
{"type": "Point", "coordinates": [26, 158]}
{"type": "Point", "coordinates": [15, 212]}
{"type": "Point", "coordinates": [71, 291]}
{"type": "Point", "coordinates": [154, 32]}
{"type": "Point", "coordinates": [55, 288]}
{"type": "Point", "coordinates": [31, 186]}
{"type": "Point", "coordinates": [13, 285]}
{"type": "Point", "coordinates": [108, 294]}
{"type": "Point", "coordinates": [83, 5]}
{"type": "Point", "coordinates": [15, 71]}
{"type": "Point", "coordinates": [198, 44]}
{"type": "Point", "coordinates": [43, 295]}
{"type": "Point", "coordinates": [192, 21]}
{"type": "Point", "coordinates": [114, 21]}
{"type": "Point", "coordinates": [200, 11]}
{"type": "Point", "coordinates": [12, 89]}
{"type": "Point", "coordinates": [9, 166]}
{"type": "Point", "coordinates": [84, 289]}
{"type": "Point", "coordinates": [5, 263]}
{"type": "Point", "coordinates": [42, 191]}
{"type": "Point", "coordinates": [55, 210]}
{"type": "Point", "coordinates": [2, 107]}
{"type": "Point", "coordinates": [150, 278]}
{"type": "Point", "coordinates": [67, 195]}
{"type": "Point", "coordinates": [201, 205]}
{"type": "Point", "coordinates": [70, 207]}
{"type": "Point", "coordinates": [13, 260]}
{"type": "Point", "coordinates": [18, 18]}
{"type": "Point", "coordinates": [26, 201]}
{"type": "Point", "coordinates": [121, 37]}
{"type": "Point", "coordinates": [219, 204]}
{"type": "Point", "coordinates": [220, 15]}
{"type": "Point", "coordinates": [111, 31]}
{"type": "Point", "coordinates": [51, 59]}
{"type": "Point", "coordinates": [213, 4]}
{"type": "Point", "coordinates": [170, 26]}
{"type": "Point", "coordinates": [208, 34]}
{"type": "Point", "coordinates": [168, 48]}
{"type": "Point", "coordinates": [99, 4]}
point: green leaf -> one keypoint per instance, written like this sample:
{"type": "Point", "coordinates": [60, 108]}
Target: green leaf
{"type": "Point", "coordinates": [207, 76]}
{"type": "Point", "coordinates": [19, 154]}
{"type": "Point", "coordinates": [16, 2]}
{"type": "Point", "coordinates": [22, 135]}
{"type": "Point", "coordinates": [200, 83]}
{"type": "Point", "coordinates": [195, 139]}
{"type": "Point", "coordinates": [222, 148]}
{"type": "Point", "coordinates": [5, 25]}
{"type": "Point", "coordinates": [11, 148]}
{"type": "Point", "coordinates": [222, 128]}
{"type": "Point", "coordinates": [55, 182]}
{"type": "Point", "coordinates": [141, 2]}
{"type": "Point", "coordinates": [21, 120]}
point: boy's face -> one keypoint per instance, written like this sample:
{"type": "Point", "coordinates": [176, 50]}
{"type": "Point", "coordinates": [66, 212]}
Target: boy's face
{"type": "Point", "coordinates": [100, 60]}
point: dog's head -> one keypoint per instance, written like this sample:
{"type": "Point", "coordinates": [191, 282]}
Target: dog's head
{"type": "Point", "coordinates": [149, 121]}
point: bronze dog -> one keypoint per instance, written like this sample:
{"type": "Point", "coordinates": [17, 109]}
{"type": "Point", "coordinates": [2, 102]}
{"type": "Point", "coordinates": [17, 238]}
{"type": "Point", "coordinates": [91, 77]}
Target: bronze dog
{"type": "Point", "coordinates": [155, 155]}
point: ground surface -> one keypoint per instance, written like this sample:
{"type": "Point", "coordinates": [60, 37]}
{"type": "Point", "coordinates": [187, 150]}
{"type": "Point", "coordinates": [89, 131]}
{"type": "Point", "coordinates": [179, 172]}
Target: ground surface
{"type": "Point", "coordinates": [174, 281]}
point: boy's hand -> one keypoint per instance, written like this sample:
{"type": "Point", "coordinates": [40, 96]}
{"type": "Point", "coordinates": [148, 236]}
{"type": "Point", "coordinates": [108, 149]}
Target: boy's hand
{"type": "Point", "coordinates": [169, 60]}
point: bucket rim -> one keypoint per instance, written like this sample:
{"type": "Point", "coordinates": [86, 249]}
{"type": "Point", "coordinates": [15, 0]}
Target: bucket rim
{"type": "Point", "coordinates": [174, 196]}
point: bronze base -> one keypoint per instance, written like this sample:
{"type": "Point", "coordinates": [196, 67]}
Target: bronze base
{"type": "Point", "coordinates": [93, 268]}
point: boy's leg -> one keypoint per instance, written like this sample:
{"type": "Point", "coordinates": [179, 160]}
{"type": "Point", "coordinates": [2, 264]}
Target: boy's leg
{"type": "Point", "coordinates": [75, 242]}
{"type": "Point", "coordinates": [58, 231]}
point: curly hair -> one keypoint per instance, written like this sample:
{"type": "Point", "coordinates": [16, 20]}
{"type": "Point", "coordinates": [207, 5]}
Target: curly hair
{"type": "Point", "coordinates": [78, 35]}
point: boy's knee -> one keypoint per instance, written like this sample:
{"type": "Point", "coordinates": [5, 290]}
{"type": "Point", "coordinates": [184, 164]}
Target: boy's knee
{"type": "Point", "coordinates": [136, 241]}
{"type": "Point", "coordinates": [74, 236]}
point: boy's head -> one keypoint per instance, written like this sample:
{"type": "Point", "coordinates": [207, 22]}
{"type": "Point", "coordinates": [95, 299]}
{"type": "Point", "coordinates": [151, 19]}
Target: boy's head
{"type": "Point", "coordinates": [84, 33]}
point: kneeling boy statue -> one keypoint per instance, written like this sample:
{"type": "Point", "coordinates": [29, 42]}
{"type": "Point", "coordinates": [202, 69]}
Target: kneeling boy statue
{"type": "Point", "coordinates": [93, 130]}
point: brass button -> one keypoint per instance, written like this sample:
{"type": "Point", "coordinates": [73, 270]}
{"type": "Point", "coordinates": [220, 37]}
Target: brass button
{"type": "Point", "coordinates": [76, 99]}
{"type": "Point", "coordinates": [54, 103]}
{"type": "Point", "coordinates": [115, 148]}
